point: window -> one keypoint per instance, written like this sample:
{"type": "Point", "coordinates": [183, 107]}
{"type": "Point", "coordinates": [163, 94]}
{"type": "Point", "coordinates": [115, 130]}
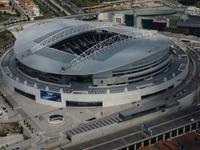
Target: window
{"type": "Point", "coordinates": [31, 96]}
{"type": "Point", "coordinates": [153, 140]}
{"type": "Point", "coordinates": [199, 124]}
{"type": "Point", "coordinates": [138, 145]}
{"type": "Point", "coordinates": [174, 133]}
{"type": "Point", "coordinates": [132, 114]}
{"type": "Point", "coordinates": [118, 20]}
{"type": "Point", "coordinates": [187, 128]}
{"type": "Point", "coordinates": [160, 137]}
{"type": "Point", "coordinates": [180, 131]}
{"type": "Point", "coordinates": [83, 104]}
{"type": "Point", "coordinates": [194, 126]}
{"type": "Point", "coordinates": [131, 147]}
{"type": "Point", "coordinates": [146, 142]}
{"type": "Point", "coordinates": [167, 135]}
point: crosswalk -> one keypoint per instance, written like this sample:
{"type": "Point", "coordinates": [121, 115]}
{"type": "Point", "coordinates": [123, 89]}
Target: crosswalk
{"type": "Point", "coordinates": [94, 125]}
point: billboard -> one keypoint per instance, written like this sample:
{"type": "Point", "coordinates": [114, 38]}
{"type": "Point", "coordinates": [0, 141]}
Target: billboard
{"type": "Point", "coordinates": [51, 96]}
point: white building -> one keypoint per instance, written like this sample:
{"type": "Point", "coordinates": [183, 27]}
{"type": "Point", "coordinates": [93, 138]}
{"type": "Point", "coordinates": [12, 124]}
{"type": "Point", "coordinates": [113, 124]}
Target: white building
{"type": "Point", "coordinates": [66, 63]}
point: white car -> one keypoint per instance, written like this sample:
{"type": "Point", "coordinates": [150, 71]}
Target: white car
{"type": "Point", "coordinates": [192, 120]}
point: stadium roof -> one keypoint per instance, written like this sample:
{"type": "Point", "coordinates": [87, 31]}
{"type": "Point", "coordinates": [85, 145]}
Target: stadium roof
{"type": "Point", "coordinates": [150, 11]}
{"type": "Point", "coordinates": [32, 48]}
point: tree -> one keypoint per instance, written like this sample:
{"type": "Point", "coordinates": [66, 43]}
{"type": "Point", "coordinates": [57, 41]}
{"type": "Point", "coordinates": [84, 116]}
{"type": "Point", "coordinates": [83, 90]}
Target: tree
{"type": "Point", "coordinates": [198, 4]}
{"type": "Point", "coordinates": [2, 5]}
{"type": "Point", "coordinates": [188, 2]}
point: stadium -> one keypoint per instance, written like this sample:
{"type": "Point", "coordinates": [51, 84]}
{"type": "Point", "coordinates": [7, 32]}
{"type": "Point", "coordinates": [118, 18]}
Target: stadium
{"type": "Point", "coordinates": [72, 63]}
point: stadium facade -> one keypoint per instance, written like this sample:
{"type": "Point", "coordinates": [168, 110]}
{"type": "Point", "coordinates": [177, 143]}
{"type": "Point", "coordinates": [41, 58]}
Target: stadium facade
{"type": "Point", "coordinates": [71, 63]}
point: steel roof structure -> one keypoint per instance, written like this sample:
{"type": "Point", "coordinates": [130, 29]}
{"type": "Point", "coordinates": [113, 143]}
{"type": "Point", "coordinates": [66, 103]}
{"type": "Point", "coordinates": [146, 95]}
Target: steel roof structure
{"type": "Point", "coordinates": [129, 45]}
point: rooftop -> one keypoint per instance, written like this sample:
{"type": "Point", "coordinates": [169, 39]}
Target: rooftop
{"type": "Point", "coordinates": [34, 46]}
{"type": "Point", "coordinates": [189, 141]}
